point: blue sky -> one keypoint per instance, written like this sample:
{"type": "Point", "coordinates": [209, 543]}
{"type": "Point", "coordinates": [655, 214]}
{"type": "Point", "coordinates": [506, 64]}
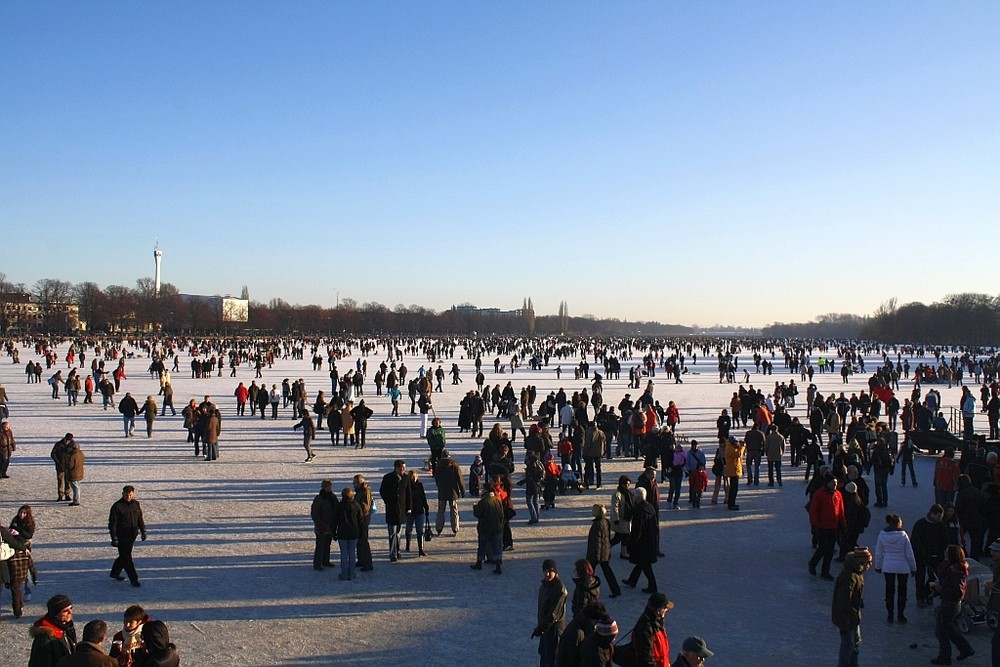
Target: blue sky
{"type": "Point", "coordinates": [693, 163]}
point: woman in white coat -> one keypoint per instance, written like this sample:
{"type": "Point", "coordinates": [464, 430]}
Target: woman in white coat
{"type": "Point", "coordinates": [894, 558]}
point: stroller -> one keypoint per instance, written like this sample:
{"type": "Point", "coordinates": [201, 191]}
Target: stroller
{"type": "Point", "coordinates": [982, 603]}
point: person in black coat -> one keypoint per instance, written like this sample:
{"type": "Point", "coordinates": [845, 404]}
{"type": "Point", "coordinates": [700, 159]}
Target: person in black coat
{"type": "Point", "coordinates": [361, 413]}
{"type": "Point", "coordinates": [929, 539]}
{"type": "Point", "coordinates": [394, 491]}
{"type": "Point", "coordinates": [417, 511]}
{"type": "Point", "coordinates": [642, 542]}
{"type": "Point", "coordinates": [53, 635]}
{"type": "Point", "coordinates": [348, 522]}
{"type": "Point", "coordinates": [323, 513]}
{"type": "Point", "coordinates": [125, 523]}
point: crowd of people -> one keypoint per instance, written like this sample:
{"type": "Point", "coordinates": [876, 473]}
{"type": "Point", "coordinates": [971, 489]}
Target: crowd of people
{"type": "Point", "coordinates": [567, 440]}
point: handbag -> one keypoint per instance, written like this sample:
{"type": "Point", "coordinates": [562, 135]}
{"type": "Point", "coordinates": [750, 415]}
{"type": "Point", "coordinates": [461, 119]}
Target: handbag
{"type": "Point", "coordinates": [624, 653]}
{"type": "Point", "coordinates": [6, 551]}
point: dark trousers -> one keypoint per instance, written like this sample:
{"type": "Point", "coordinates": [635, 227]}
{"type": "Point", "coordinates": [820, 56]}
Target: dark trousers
{"type": "Point", "coordinates": [826, 540]}
{"type": "Point", "coordinates": [947, 632]}
{"type": "Point", "coordinates": [364, 549]}
{"type": "Point", "coordinates": [321, 554]}
{"type": "Point", "coordinates": [593, 465]}
{"type": "Point", "coordinates": [609, 576]}
{"type": "Point", "coordinates": [124, 561]}
{"type": "Point", "coordinates": [892, 590]}
{"type": "Point", "coordinates": [547, 645]}
{"type": "Point", "coordinates": [925, 574]}
{"type": "Point", "coordinates": [734, 487]}
{"type": "Point", "coordinates": [646, 569]}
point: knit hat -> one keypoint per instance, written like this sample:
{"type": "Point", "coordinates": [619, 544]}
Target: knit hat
{"type": "Point", "coordinates": [995, 546]}
{"type": "Point", "coordinates": [851, 487]}
{"type": "Point", "coordinates": [445, 454]}
{"type": "Point", "coordinates": [598, 510]}
{"type": "Point", "coordinates": [549, 564]}
{"type": "Point", "coordinates": [607, 627]}
{"type": "Point", "coordinates": [326, 485]}
{"type": "Point", "coordinates": [57, 603]}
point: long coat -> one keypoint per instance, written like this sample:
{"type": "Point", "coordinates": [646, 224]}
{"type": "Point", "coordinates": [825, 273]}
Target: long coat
{"type": "Point", "coordinates": [599, 541]}
{"type": "Point", "coordinates": [642, 541]}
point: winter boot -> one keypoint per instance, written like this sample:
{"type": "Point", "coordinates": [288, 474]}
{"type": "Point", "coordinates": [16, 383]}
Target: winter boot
{"type": "Point", "coordinates": [889, 608]}
{"type": "Point", "coordinates": [900, 606]}
{"type": "Point", "coordinates": [420, 545]}
{"type": "Point", "coordinates": [408, 536]}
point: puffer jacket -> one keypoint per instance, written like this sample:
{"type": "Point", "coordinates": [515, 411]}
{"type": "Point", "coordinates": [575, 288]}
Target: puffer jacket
{"type": "Point", "coordinates": [599, 541]}
{"type": "Point", "coordinates": [893, 552]}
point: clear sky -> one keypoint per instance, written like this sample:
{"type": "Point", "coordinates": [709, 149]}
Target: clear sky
{"type": "Point", "coordinates": [687, 162]}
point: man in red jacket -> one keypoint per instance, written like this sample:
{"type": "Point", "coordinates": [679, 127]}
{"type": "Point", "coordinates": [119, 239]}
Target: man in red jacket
{"type": "Point", "coordinates": [826, 515]}
{"type": "Point", "coordinates": [946, 473]}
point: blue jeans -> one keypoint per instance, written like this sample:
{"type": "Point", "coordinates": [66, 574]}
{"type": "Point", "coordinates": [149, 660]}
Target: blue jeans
{"type": "Point", "coordinates": [674, 493]}
{"type": "Point", "coordinates": [129, 423]}
{"type": "Point", "coordinates": [348, 558]}
{"type": "Point", "coordinates": [532, 506]}
{"type": "Point", "coordinates": [850, 641]}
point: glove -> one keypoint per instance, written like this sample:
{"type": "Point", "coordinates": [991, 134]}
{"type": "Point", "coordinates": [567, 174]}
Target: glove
{"type": "Point", "coordinates": [114, 542]}
{"type": "Point", "coordinates": [535, 633]}
{"type": "Point", "coordinates": [144, 537]}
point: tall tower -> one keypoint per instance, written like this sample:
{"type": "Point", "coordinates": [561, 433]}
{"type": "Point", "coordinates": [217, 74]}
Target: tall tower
{"type": "Point", "coordinates": [157, 257]}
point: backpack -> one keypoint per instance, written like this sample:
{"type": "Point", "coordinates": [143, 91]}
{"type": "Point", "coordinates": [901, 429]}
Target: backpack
{"type": "Point", "coordinates": [535, 470]}
{"type": "Point", "coordinates": [866, 517]}
{"type": "Point", "coordinates": [625, 511]}
{"type": "Point", "coordinates": [882, 456]}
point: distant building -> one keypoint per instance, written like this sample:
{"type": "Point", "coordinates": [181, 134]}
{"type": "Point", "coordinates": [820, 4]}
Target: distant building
{"type": "Point", "coordinates": [20, 312]}
{"type": "Point", "coordinates": [224, 308]}
{"type": "Point", "coordinates": [469, 309]}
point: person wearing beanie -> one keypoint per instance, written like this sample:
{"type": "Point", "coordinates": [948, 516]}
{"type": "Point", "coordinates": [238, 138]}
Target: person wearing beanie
{"type": "Point", "coordinates": [578, 630]}
{"type": "Point", "coordinates": [53, 635]}
{"type": "Point", "coordinates": [551, 617]}
{"type": "Point", "coordinates": [847, 604]}
{"type": "Point", "coordinates": [596, 650]}
{"type": "Point", "coordinates": [826, 514]}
